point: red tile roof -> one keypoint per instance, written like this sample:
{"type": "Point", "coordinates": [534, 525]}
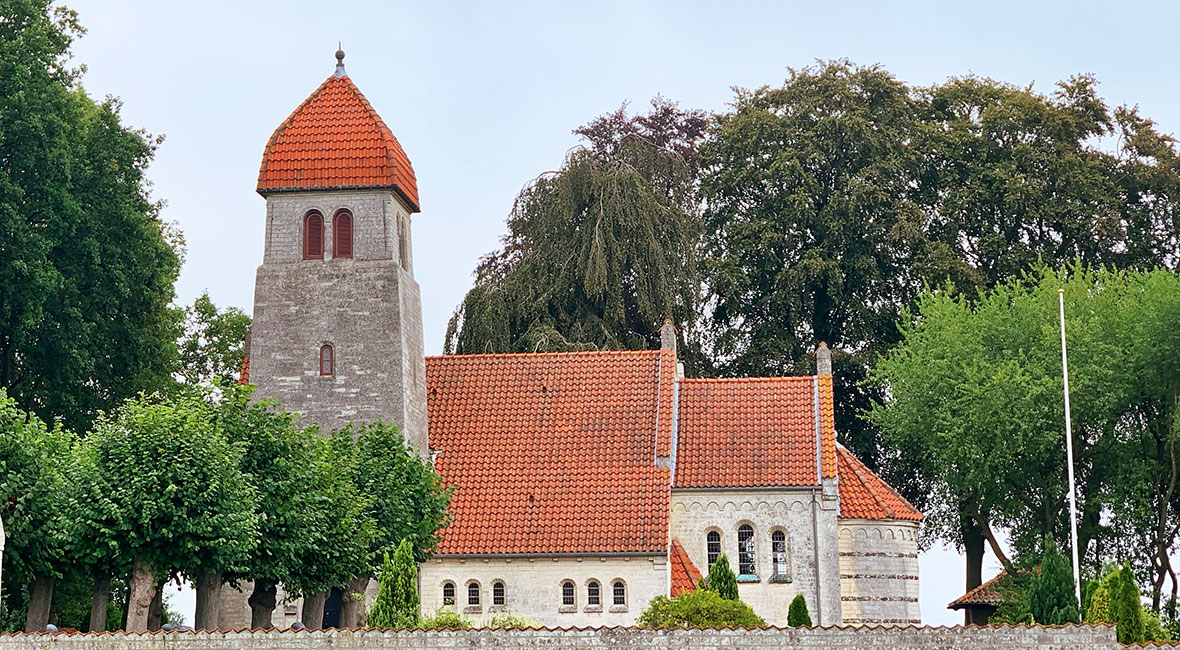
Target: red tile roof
{"type": "Point", "coordinates": [552, 453]}
{"type": "Point", "coordinates": [754, 432]}
{"type": "Point", "coordinates": [863, 495]}
{"type": "Point", "coordinates": [685, 574]}
{"type": "Point", "coordinates": [244, 371]}
{"type": "Point", "coordinates": [985, 594]}
{"type": "Point", "coordinates": [335, 140]}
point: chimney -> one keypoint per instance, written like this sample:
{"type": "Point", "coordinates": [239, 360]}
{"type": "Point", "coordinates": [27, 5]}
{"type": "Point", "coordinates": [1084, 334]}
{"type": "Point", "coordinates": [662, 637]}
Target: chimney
{"type": "Point", "coordinates": [668, 336]}
{"type": "Point", "coordinates": [823, 359]}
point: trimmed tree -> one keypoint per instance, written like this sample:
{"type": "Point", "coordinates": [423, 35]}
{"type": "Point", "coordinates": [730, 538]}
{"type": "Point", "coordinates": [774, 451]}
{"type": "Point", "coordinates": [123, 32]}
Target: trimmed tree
{"type": "Point", "coordinates": [797, 615]}
{"type": "Point", "coordinates": [1051, 598]}
{"type": "Point", "coordinates": [722, 580]}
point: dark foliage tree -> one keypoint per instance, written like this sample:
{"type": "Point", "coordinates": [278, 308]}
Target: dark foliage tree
{"type": "Point", "coordinates": [599, 253]}
{"type": "Point", "coordinates": [721, 579]}
{"type": "Point", "coordinates": [797, 615]}
{"type": "Point", "coordinates": [86, 266]}
{"type": "Point", "coordinates": [1051, 599]}
{"type": "Point", "coordinates": [212, 345]}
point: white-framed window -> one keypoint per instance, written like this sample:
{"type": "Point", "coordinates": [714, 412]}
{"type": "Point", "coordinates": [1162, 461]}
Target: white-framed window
{"type": "Point", "coordinates": [619, 592]}
{"type": "Point", "coordinates": [593, 593]}
{"type": "Point", "coordinates": [473, 594]}
{"type": "Point", "coordinates": [498, 597]}
{"type": "Point", "coordinates": [713, 546]}
{"type": "Point", "coordinates": [745, 542]}
{"type": "Point", "coordinates": [778, 552]}
{"type": "Point", "coordinates": [448, 593]}
{"type": "Point", "coordinates": [568, 596]}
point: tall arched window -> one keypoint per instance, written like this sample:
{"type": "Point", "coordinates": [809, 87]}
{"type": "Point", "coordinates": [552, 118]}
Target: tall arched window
{"type": "Point", "coordinates": [473, 594]}
{"type": "Point", "coordinates": [619, 591]}
{"type": "Point", "coordinates": [593, 593]}
{"type": "Point", "coordinates": [567, 593]}
{"type": "Point", "coordinates": [778, 552]}
{"type": "Point", "coordinates": [498, 592]}
{"type": "Point", "coordinates": [713, 546]}
{"type": "Point", "coordinates": [342, 234]}
{"type": "Point", "coordinates": [448, 593]}
{"type": "Point", "coordinates": [745, 539]}
{"type": "Point", "coordinates": [313, 236]}
{"type": "Point", "coordinates": [403, 243]}
{"type": "Point", "coordinates": [327, 361]}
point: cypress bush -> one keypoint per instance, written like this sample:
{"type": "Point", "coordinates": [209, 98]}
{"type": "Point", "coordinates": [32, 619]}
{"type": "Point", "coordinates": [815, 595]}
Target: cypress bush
{"type": "Point", "coordinates": [722, 580]}
{"type": "Point", "coordinates": [797, 615]}
{"type": "Point", "coordinates": [397, 597]}
{"type": "Point", "coordinates": [1051, 599]}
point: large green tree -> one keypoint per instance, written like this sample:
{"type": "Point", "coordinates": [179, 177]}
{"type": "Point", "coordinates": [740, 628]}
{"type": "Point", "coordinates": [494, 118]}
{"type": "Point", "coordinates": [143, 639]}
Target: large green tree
{"type": "Point", "coordinates": [212, 345]}
{"type": "Point", "coordinates": [86, 265]}
{"type": "Point", "coordinates": [598, 253]}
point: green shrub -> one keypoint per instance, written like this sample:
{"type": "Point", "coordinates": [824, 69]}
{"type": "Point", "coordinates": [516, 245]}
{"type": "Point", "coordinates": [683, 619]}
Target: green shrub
{"type": "Point", "coordinates": [1126, 607]}
{"type": "Point", "coordinates": [797, 615]}
{"type": "Point", "coordinates": [722, 580]}
{"type": "Point", "coordinates": [698, 609]}
{"type": "Point", "coordinates": [445, 619]}
{"type": "Point", "coordinates": [1051, 599]}
{"type": "Point", "coordinates": [513, 621]}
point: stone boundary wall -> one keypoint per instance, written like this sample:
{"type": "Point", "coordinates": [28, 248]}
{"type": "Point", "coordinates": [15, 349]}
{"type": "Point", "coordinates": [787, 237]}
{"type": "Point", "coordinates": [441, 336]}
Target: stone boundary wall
{"type": "Point", "coordinates": [1079, 637]}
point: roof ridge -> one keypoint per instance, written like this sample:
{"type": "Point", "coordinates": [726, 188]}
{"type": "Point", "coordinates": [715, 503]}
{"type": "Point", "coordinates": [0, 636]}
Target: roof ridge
{"type": "Point", "coordinates": [718, 380]}
{"type": "Point", "coordinates": [490, 355]}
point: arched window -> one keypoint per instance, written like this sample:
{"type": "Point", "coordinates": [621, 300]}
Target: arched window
{"type": "Point", "coordinates": [403, 243]}
{"type": "Point", "coordinates": [567, 593]}
{"type": "Point", "coordinates": [448, 593]}
{"type": "Point", "coordinates": [327, 361]}
{"type": "Point", "coordinates": [745, 539]}
{"type": "Point", "coordinates": [342, 234]}
{"type": "Point", "coordinates": [473, 594]}
{"type": "Point", "coordinates": [713, 546]}
{"type": "Point", "coordinates": [593, 593]}
{"type": "Point", "coordinates": [619, 589]}
{"type": "Point", "coordinates": [778, 552]}
{"type": "Point", "coordinates": [313, 236]}
{"type": "Point", "coordinates": [498, 592]}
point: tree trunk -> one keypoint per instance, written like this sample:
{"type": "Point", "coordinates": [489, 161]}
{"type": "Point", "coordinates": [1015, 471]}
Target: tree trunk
{"type": "Point", "coordinates": [262, 604]}
{"type": "Point", "coordinates": [208, 611]}
{"type": "Point", "coordinates": [156, 610]}
{"type": "Point", "coordinates": [139, 601]}
{"type": "Point", "coordinates": [100, 599]}
{"type": "Point", "coordinates": [40, 600]}
{"type": "Point", "coordinates": [352, 603]}
{"type": "Point", "coordinates": [313, 610]}
{"type": "Point", "coordinates": [973, 546]}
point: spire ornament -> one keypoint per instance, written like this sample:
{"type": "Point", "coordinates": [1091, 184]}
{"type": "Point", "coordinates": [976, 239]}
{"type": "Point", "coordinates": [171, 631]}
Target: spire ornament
{"type": "Point", "coordinates": [340, 61]}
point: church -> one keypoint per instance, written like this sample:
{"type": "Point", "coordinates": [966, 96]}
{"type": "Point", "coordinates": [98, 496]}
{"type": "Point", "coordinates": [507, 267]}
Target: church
{"type": "Point", "coordinates": [586, 483]}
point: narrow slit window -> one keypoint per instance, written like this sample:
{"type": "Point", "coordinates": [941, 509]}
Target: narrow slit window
{"type": "Point", "coordinates": [745, 541]}
{"type": "Point", "coordinates": [342, 234]}
{"type": "Point", "coordinates": [713, 546]}
{"type": "Point", "coordinates": [593, 593]}
{"type": "Point", "coordinates": [620, 592]}
{"type": "Point", "coordinates": [498, 593]}
{"type": "Point", "coordinates": [448, 593]}
{"type": "Point", "coordinates": [327, 361]}
{"type": "Point", "coordinates": [567, 593]}
{"type": "Point", "coordinates": [778, 549]}
{"type": "Point", "coordinates": [473, 594]}
{"type": "Point", "coordinates": [313, 236]}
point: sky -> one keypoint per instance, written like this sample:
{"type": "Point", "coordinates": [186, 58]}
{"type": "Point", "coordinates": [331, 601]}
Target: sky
{"type": "Point", "coordinates": [483, 97]}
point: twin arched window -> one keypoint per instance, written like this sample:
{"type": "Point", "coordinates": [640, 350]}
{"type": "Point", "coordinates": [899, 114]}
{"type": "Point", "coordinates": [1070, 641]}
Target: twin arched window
{"type": "Point", "coordinates": [313, 235]}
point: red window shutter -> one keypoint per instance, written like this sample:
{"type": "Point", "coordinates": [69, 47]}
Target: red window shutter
{"type": "Point", "coordinates": [313, 237]}
{"type": "Point", "coordinates": [342, 235]}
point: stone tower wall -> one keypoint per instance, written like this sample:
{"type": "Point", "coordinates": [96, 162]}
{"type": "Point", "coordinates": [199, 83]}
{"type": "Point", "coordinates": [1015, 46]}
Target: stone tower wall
{"type": "Point", "coordinates": [879, 572]}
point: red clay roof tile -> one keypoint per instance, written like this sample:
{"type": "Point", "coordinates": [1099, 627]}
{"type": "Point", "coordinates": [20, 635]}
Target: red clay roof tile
{"type": "Point", "coordinates": [753, 433]}
{"type": "Point", "coordinates": [863, 495]}
{"type": "Point", "coordinates": [551, 453]}
{"type": "Point", "coordinates": [685, 574]}
{"type": "Point", "coordinates": [335, 140]}
{"type": "Point", "coordinates": [985, 594]}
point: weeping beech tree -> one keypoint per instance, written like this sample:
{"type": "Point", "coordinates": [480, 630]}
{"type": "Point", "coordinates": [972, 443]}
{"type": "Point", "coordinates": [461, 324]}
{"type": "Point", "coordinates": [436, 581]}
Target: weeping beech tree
{"type": "Point", "coordinates": [598, 253]}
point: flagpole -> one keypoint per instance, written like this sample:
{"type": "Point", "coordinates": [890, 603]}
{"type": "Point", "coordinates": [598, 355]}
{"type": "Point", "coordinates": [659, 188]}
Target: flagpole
{"type": "Point", "coordinates": [1073, 505]}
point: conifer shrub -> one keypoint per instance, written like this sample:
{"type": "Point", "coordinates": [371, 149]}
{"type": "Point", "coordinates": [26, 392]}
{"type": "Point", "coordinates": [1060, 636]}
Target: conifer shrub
{"type": "Point", "coordinates": [1126, 607]}
{"type": "Point", "coordinates": [1051, 598]}
{"type": "Point", "coordinates": [721, 579]}
{"type": "Point", "coordinates": [797, 615]}
{"type": "Point", "coordinates": [397, 597]}
{"type": "Point", "coordinates": [700, 608]}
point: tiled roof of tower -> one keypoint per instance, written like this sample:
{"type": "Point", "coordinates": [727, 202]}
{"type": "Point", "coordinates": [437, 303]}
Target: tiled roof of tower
{"type": "Point", "coordinates": [754, 433]}
{"type": "Point", "coordinates": [863, 495]}
{"type": "Point", "coordinates": [335, 140]}
{"type": "Point", "coordinates": [685, 574]}
{"type": "Point", "coordinates": [551, 453]}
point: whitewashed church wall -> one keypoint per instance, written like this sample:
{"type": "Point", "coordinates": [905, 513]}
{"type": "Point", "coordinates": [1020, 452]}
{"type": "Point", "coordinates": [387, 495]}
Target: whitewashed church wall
{"type": "Point", "coordinates": [533, 587]}
{"type": "Point", "coordinates": [696, 512]}
{"type": "Point", "coordinates": [879, 572]}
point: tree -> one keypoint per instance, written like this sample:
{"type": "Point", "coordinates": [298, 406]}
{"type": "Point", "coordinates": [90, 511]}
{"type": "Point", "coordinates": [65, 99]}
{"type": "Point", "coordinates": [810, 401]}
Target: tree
{"type": "Point", "coordinates": [1051, 598]}
{"type": "Point", "coordinates": [144, 472]}
{"type": "Point", "coordinates": [1126, 608]}
{"type": "Point", "coordinates": [87, 267]}
{"type": "Point", "coordinates": [699, 608]}
{"type": "Point", "coordinates": [722, 580]}
{"type": "Point", "coordinates": [797, 615]}
{"type": "Point", "coordinates": [598, 253]}
{"type": "Point", "coordinates": [975, 397]}
{"type": "Point", "coordinates": [397, 598]}
{"type": "Point", "coordinates": [212, 346]}
{"type": "Point", "coordinates": [33, 469]}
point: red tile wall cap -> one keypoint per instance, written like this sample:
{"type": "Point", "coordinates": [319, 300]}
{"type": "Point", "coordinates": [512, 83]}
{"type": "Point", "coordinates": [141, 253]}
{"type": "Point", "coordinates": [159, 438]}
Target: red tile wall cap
{"type": "Point", "coordinates": [335, 140]}
{"type": "Point", "coordinates": [864, 495]}
{"type": "Point", "coordinates": [685, 575]}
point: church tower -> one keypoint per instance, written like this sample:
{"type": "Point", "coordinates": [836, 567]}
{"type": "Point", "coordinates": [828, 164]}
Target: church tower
{"type": "Point", "coordinates": [337, 333]}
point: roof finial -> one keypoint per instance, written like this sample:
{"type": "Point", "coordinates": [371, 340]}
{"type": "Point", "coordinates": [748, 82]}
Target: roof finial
{"type": "Point", "coordinates": [340, 60]}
